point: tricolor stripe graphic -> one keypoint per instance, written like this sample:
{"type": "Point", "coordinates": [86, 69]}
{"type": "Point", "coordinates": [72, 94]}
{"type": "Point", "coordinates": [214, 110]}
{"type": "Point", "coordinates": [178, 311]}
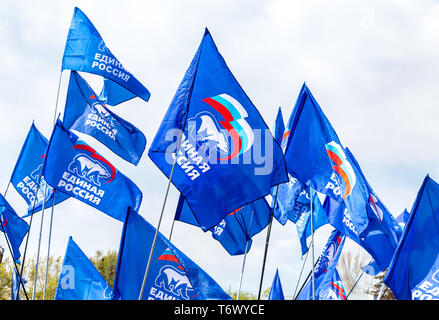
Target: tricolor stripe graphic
{"type": "Point", "coordinates": [342, 166]}
{"type": "Point", "coordinates": [233, 113]}
{"type": "Point", "coordinates": [168, 255]}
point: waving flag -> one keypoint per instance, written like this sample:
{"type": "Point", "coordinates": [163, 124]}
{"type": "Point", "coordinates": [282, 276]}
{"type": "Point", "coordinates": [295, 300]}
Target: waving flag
{"type": "Point", "coordinates": [14, 226]}
{"type": "Point", "coordinates": [86, 51]}
{"type": "Point", "coordinates": [327, 281]}
{"type": "Point", "coordinates": [226, 155]}
{"type": "Point", "coordinates": [172, 275]}
{"type": "Point", "coordinates": [413, 273]}
{"type": "Point", "coordinates": [75, 168]}
{"type": "Point", "coordinates": [381, 236]}
{"type": "Point", "coordinates": [276, 292]}
{"type": "Point", "coordinates": [315, 156]}
{"type": "Point", "coordinates": [85, 113]}
{"type": "Point", "coordinates": [27, 171]}
{"type": "Point", "coordinates": [402, 218]}
{"type": "Point", "coordinates": [15, 283]}
{"type": "Point", "coordinates": [79, 278]}
{"type": "Point", "coordinates": [237, 228]}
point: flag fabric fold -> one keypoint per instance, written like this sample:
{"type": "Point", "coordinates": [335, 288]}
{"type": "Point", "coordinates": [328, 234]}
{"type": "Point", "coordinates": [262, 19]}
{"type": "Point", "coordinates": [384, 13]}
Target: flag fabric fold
{"type": "Point", "coordinates": [79, 278]}
{"type": "Point", "coordinates": [315, 156]}
{"type": "Point", "coordinates": [172, 275]}
{"type": "Point", "coordinates": [86, 51]}
{"type": "Point", "coordinates": [218, 136]}
{"type": "Point", "coordinates": [85, 113]}
{"type": "Point", "coordinates": [413, 273]}
{"type": "Point", "coordinates": [75, 168]}
{"type": "Point", "coordinates": [236, 230]}
{"type": "Point", "coordinates": [14, 226]}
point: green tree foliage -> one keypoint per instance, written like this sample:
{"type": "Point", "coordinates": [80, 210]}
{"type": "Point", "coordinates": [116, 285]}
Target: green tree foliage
{"type": "Point", "coordinates": [106, 264]}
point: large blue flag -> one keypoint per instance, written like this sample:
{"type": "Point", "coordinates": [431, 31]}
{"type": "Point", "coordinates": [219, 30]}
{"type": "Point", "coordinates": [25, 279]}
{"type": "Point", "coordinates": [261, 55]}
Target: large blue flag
{"type": "Point", "coordinates": [79, 278]}
{"type": "Point", "coordinates": [14, 226]}
{"type": "Point", "coordinates": [226, 155]}
{"type": "Point", "coordinates": [75, 168]}
{"type": "Point", "coordinates": [85, 113]}
{"type": "Point", "coordinates": [381, 236]}
{"type": "Point", "coordinates": [413, 273]}
{"type": "Point", "coordinates": [172, 275]}
{"type": "Point", "coordinates": [315, 156]}
{"type": "Point", "coordinates": [27, 171]}
{"type": "Point", "coordinates": [236, 230]}
{"type": "Point", "coordinates": [86, 51]}
{"type": "Point", "coordinates": [327, 282]}
{"type": "Point", "coordinates": [276, 292]}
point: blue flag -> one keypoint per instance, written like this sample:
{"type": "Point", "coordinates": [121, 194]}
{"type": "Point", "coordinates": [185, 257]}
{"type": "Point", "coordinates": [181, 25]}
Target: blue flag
{"type": "Point", "coordinates": [315, 156]}
{"type": "Point", "coordinates": [276, 292]}
{"type": "Point", "coordinates": [402, 218]}
{"type": "Point", "coordinates": [413, 273]}
{"type": "Point", "coordinates": [328, 284]}
{"type": "Point", "coordinates": [15, 283]}
{"type": "Point", "coordinates": [236, 230]}
{"type": "Point", "coordinates": [226, 155]}
{"type": "Point", "coordinates": [86, 51]}
{"type": "Point", "coordinates": [85, 113]}
{"type": "Point", "coordinates": [27, 171]}
{"type": "Point", "coordinates": [75, 168]}
{"type": "Point", "coordinates": [381, 236]}
{"type": "Point", "coordinates": [79, 278]}
{"type": "Point", "coordinates": [172, 275]}
{"type": "Point", "coordinates": [279, 127]}
{"type": "Point", "coordinates": [14, 226]}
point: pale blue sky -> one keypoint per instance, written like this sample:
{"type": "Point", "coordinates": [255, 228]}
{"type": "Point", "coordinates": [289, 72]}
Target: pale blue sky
{"type": "Point", "coordinates": [373, 68]}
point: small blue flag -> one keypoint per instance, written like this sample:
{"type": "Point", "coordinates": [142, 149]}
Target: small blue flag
{"type": "Point", "coordinates": [27, 171]}
{"type": "Point", "coordinates": [85, 113]}
{"type": "Point", "coordinates": [14, 226]}
{"type": "Point", "coordinates": [381, 236]}
{"type": "Point", "coordinates": [236, 230]}
{"type": "Point", "coordinates": [75, 168]}
{"type": "Point", "coordinates": [372, 268]}
{"type": "Point", "coordinates": [327, 282]}
{"type": "Point", "coordinates": [86, 51]}
{"type": "Point", "coordinates": [79, 278]}
{"type": "Point", "coordinates": [315, 156]}
{"type": "Point", "coordinates": [172, 275]}
{"type": "Point", "coordinates": [276, 292]}
{"type": "Point", "coordinates": [413, 273]}
{"type": "Point", "coordinates": [402, 218]}
{"type": "Point", "coordinates": [226, 155]}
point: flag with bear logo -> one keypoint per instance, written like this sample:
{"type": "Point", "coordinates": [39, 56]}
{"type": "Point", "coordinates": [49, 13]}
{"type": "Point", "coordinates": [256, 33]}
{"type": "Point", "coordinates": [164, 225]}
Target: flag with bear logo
{"type": "Point", "coordinates": [75, 168]}
{"type": "Point", "coordinates": [225, 155]}
{"type": "Point", "coordinates": [79, 278]}
{"type": "Point", "coordinates": [26, 175]}
{"type": "Point", "coordinates": [172, 275]}
{"type": "Point", "coordinates": [315, 156]}
{"type": "Point", "coordinates": [83, 112]}
{"type": "Point", "coordinates": [86, 51]}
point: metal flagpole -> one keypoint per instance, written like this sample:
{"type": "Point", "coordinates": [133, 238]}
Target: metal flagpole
{"type": "Point", "coordinates": [172, 229]}
{"type": "Point", "coordinates": [312, 246]}
{"type": "Point", "coordinates": [39, 242]}
{"type": "Point", "coordinates": [48, 246]}
{"type": "Point", "coordinates": [309, 275]}
{"type": "Point", "coordinates": [300, 274]}
{"type": "Point", "coordinates": [9, 246]}
{"type": "Point", "coordinates": [160, 220]}
{"type": "Point", "coordinates": [245, 257]}
{"type": "Point", "coordinates": [356, 281]}
{"type": "Point", "coordinates": [266, 243]}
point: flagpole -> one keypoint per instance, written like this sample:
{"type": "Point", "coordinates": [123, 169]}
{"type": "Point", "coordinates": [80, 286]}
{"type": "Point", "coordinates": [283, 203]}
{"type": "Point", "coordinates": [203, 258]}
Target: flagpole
{"type": "Point", "coordinates": [309, 275]}
{"type": "Point", "coordinates": [10, 248]}
{"type": "Point", "coordinates": [172, 229]}
{"type": "Point", "coordinates": [245, 257]}
{"type": "Point", "coordinates": [48, 246]}
{"type": "Point", "coordinates": [39, 242]}
{"type": "Point", "coordinates": [28, 234]}
{"type": "Point", "coordinates": [300, 274]}
{"type": "Point", "coordinates": [266, 243]}
{"type": "Point", "coordinates": [160, 220]}
{"type": "Point", "coordinates": [312, 246]}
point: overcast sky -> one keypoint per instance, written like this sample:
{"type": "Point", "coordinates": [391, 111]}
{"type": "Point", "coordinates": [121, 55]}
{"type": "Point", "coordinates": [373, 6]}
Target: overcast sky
{"type": "Point", "coordinates": [372, 67]}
